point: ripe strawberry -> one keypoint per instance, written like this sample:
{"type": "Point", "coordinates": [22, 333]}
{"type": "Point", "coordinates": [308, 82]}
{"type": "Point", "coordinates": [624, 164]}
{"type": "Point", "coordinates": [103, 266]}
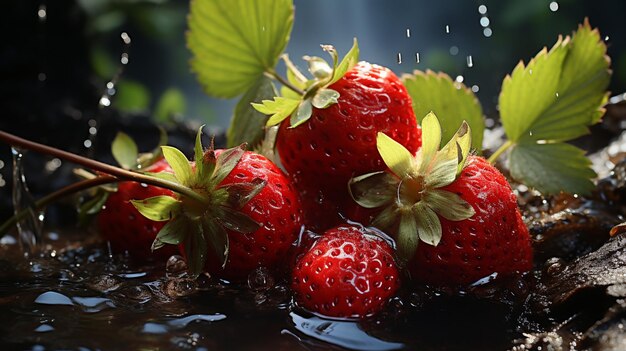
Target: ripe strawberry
{"type": "Point", "coordinates": [460, 206]}
{"type": "Point", "coordinates": [124, 227]}
{"type": "Point", "coordinates": [235, 211]}
{"type": "Point", "coordinates": [276, 207]}
{"type": "Point", "coordinates": [339, 141]}
{"type": "Point", "coordinates": [346, 273]}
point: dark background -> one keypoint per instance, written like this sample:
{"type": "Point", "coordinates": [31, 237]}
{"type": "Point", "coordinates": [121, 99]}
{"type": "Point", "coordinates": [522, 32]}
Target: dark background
{"type": "Point", "coordinates": [53, 70]}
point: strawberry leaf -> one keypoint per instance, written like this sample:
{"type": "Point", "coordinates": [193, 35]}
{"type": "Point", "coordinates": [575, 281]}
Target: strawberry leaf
{"type": "Point", "coordinates": [448, 205]}
{"type": "Point", "coordinates": [555, 98]}
{"type": "Point", "coordinates": [234, 42]}
{"type": "Point", "coordinates": [428, 224]}
{"type": "Point", "coordinates": [346, 64]}
{"type": "Point", "coordinates": [226, 162]}
{"type": "Point", "coordinates": [173, 232]}
{"type": "Point", "coordinates": [552, 167]}
{"type": "Point", "coordinates": [125, 151]}
{"type": "Point", "coordinates": [240, 193]}
{"type": "Point", "coordinates": [303, 113]}
{"type": "Point", "coordinates": [431, 140]}
{"type": "Point", "coordinates": [318, 67]}
{"type": "Point", "coordinates": [247, 123]}
{"type": "Point", "coordinates": [196, 249]}
{"type": "Point", "coordinates": [396, 157]}
{"type": "Point", "coordinates": [408, 239]}
{"type": "Point", "coordinates": [91, 207]}
{"type": "Point", "coordinates": [179, 164]}
{"type": "Point", "coordinates": [198, 156]}
{"type": "Point", "coordinates": [158, 208]}
{"type": "Point", "coordinates": [217, 239]}
{"type": "Point", "coordinates": [373, 189]}
{"type": "Point", "coordinates": [280, 108]}
{"type": "Point", "coordinates": [163, 175]}
{"type": "Point", "coordinates": [451, 101]}
{"type": "Point", "coordinates": [324, 98]}
{"type": "Point", "coordinates": [238, 221]}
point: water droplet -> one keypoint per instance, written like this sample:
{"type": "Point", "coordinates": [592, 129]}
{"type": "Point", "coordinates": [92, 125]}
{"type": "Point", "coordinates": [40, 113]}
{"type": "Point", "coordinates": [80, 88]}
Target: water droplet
{"type": "Point", "coordinates": [42, 77]}
{"type": "Point", "coordinates": [487, 32]}
{"type": "Point", "coordinates": [53, 298]}
{"type": "Point", "coordinates": [556, 94]}
{"type": "Point", "coordinates": [470, 61]}
{"type": "Point", "coordinates": [44, 328]}
{"type": "Point", "coordinates": [484, 21]}
{"type": "Point", "coordinates": [124, 59]}
{"type": "Point", "coordinates": [260, 279]}
{"type": "Point", "coordinates": [447, 29]}
{"type": "Point", "coordinates": [92, 123]}
{"type": "Point", "coordinates": [105, 101]}
{"type": "Point", "coordinates": [554, 6]}
{"type": "Point", "coordinates": [176, 267]}
{"type": "Point", "coordinates": [53, 165]}
{"type": "Point", "coordinates": [408, 33]}
{"type": "Point", "coordinates": [454, 50]}
{"type": "Point", "coordinates": [606, 38]}
{"type": "Point", "coordinates": [125, 38]}
{"type": "Point", "coordinates": [93, 130]}
{"type": "Point", "coordinates": [30, 226]}
{"type": "Point", "coordinates": [87, 143]}
{"type": "Point", "coordinates": [42, 13]}
{"type": "Point", "coordinates": [475, 88]}
{"type": "Point", "coordinates": [110, 85]}
{"type": "Point", "coordinates": [482, 9]}
{"type": "Point", "coordinates": [399, 58]}
{"type": "Point", "coordinates": [530, 72]}
{"type": "Point", "coordinates": [459, 79]}
{"type": "Point", "coordinates": [417, 57]}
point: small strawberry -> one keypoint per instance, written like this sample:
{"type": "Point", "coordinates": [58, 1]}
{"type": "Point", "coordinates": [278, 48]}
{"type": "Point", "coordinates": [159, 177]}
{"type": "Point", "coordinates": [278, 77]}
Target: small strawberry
{"type": "Point", "coordinates": [235, 211]}
{"type": "Point", "coordinates": [331, 134]}
{"type": "Point", "coordinates": [348, 272]}
{"type": "Point", "coordinates": [124, 227]}
{"type": "Point", "coordinates": [118, 221]}
{"type": "Point", "coordinates": [460, 206]}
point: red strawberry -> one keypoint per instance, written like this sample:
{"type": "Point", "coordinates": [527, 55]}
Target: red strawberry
{"type": "Point", "coordinates": [124, 227]}
{"type": "Point", "coordinates": [494, 240]}
{"type": "Point", "coordinates": [234, 211]}
{"type": "Point", "coordinates": [459, 206]}
{"type": "Point", "coordinates": [339, 141]}
{"type": "Point", "coordinates": [346, 273]}
{"type": "Point", "coordinates": [276, 207]}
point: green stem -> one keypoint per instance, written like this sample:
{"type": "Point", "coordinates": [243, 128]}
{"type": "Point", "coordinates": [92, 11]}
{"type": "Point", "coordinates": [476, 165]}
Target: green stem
{"type": "Point", "coordinates": [283, 81]}
{"type": "Point", "coordinates": [57, 195]}
{"type": "Point", "coordinates": [102, 167]}
{"type": "Point", "coordinates": [500, 150]}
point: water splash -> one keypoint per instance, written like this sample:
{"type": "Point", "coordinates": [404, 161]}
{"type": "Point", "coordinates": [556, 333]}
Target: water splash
{"type": "Point", "coordinates": [30, 226]}
{"type": "Point", "coordinates": [417, 57]}
{"type": "Point", "coordinates": [399, 58]}
{"type": "Point", "coordinates": [470, 61]}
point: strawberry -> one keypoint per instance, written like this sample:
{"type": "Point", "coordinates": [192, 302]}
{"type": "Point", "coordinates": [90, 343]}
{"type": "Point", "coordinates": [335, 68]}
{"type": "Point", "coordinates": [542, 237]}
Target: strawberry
{"type": "Point", "coordinates": [460, 206]}
{"type": "Point", "coordinates": [235, 211]}
{"type": "Point", "coordinates": [330, 134]}
{"type": "Point", "coordinates": [124, 227]}
{"type": "Point", "coordinates": [348, 272]}
{"type": "Point", "coordinates": [339, 141]}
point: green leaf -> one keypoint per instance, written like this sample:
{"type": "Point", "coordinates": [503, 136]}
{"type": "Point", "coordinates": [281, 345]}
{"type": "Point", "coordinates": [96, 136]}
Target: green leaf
{"type": "Point", "coordinates": [431, 140]}
{"type": "Point", "coordinates": [324, 98]}
{"type": "Point", "coordinates": [196, 248]}
{"type": "Point", "coordinates": [373, 189]}
{"type": "Point", "coordinates": [459, 146]}
{"type": "Point", "coordinates": [171, 104]}
{"type": "Point", "coordinates": [247, 123]}
{"type": "Point", "coordinates": [179, 163]}
{"type": "Point", "coordinates": [552, 168]}
{"type": "Point", "coordinates": [157, 208]}
{"type": "Point", "coordinates": [349, 61]}
{"type": "Point", "coordinates": [408, 238]}
{"type": "Point", "coordinates": [396, 157]}
{"type": "Point", "coordinates": [448, 205]}
{"type": "Point", "coordinates": [303, 113]}
{"type": "Point", "coordinates": [93, 206]}
{"type": "Point", "coordinates": [240, 194]}
{"type": "Point", "coordinates": [173, 232]}
{"type": "Point", "coordinates": [238, 221]}
{"type": "Point", "coordinates": [163, 175]}
{"type": "Point", "coordinates": [428, 224]}
{"type": "Point", "coordinates": [581, 90]}
{"type": "Point", "coordinates": [131, 96]}
{"type": "Point", "coordinates": [451, 101]}
{"type": "Point", "coordinates": [198, 157]}
{"type": "Point", "coordinates": [235, 41]}
{"type": "Point", "coordinates": [530, 90]}
{"type": "Point", "coordinates": [280, 108]}
{"type": "Point", "coordinates": [443, 173]}
{"type": "Point", "coordinates": [318, 67]}
{"type": "Point", "coordinates": [125, 151]}
{"type": "Point", "coordinates": [217, 239]}
{"type": "Point", "coordinates": [226, 162]}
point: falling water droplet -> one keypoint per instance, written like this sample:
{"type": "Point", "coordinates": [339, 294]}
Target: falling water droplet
{"type": "Point", "coordinates": [484, 21]}
{"type": "Point", "coordinates": [408, 33]}
{"type": "Point", "coordinates": [447, 29]}
{"type": "Point", "coordinates": [399, 58]}
{"type": "Point", "coordinates": [554, 6]}
{"type": "Point", "coordinates": [87, 143]}
{"type": "Point", "coordinates": [487, 32]}
{"type": "Point", "coordinates": [454, 50]}
{"type": "Point", "coordinates": [482, 9]}
{"type": "Point", "coordinates": [41, 77]}
{"type": "Point", "coordinates": [125, 38]}
{"type": "Point", "coordinates": [475, 88]}
{"type": "Point", "coordinates": [606, 38]}
{"type": "Point", "coordinates": [105, 101]}
{"type": "Point", "coordinates": [459, 79]}
{"type": "Point", "coordinates": [470, 61]}
{"type": "Point", "coordinates": [42, 13]}
{"type": "Point", "coordinates": [29, 226]}
{"type": "Point", "coordinates": [124, 58]}
{"type": "Point", "coordinates": [417, 57]}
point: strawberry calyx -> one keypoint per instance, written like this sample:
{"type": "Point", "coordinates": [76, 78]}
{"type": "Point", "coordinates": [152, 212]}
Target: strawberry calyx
{"type": "Point", "coordinates": [315, 91]}
{"type": "Point", "coordinates": [201, 222]}
{"type": "Point", "coordinates": [410, 190]}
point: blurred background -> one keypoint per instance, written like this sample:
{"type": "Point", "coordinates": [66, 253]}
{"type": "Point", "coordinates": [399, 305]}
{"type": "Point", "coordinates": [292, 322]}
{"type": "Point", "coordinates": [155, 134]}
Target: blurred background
{"type": "Point", "coordinates": [58, 56]}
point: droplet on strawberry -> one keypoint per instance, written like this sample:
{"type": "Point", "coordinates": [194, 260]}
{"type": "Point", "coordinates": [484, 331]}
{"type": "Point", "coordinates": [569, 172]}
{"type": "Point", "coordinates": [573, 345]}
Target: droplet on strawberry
{"type": "Point", "coordinates": [453, 215]}
{"type": "Point", "coordinates": [348, 272]}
